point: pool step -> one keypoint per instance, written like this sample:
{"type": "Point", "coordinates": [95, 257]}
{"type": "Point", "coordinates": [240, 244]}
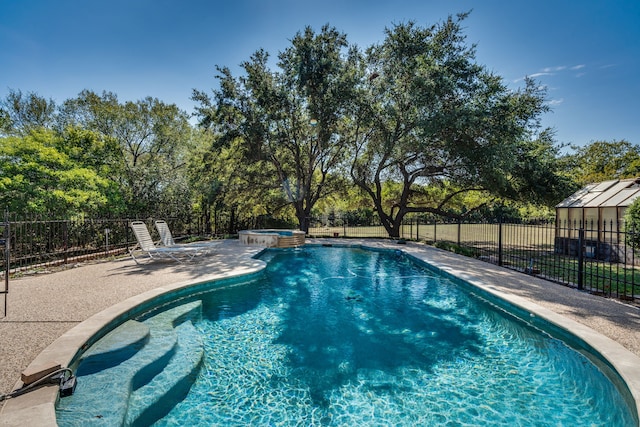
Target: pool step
{"type": "Point", "coordinates": [162, 328]}
{"type": "Point", "coordinates": [96, 392]}
{"type": "Point", "coordinates": [114, 348]}
{"type": "Point", "coordinates": [154, 400]}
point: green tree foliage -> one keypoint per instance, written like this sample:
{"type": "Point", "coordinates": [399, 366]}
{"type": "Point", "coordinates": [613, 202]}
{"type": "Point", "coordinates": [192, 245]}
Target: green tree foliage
{"type": "Point", "coordinates": [89, 148]}
{"type": "Point", "coordinates": [538, 175]}
{"type": "Point", "coordinates": [228, 189]}
{"type": "Point", "coordinates": [5, 122]}
{"type": "Point", "coordinates": [147, 142]}
{"type": "Point", "coordinates": [632, 225]}
{"type": "Point", "coordinates": [438, 125]}
{"type": "Point", "coordinates": [214, 172]}
{"type": "Point", "coordinates": [38, 176]}
{"type": "Point", "coordinates": [21, 113]}
{"type": "Point", "coordinates": [206, 184]}
{"type": "Point", "coordinates": [603, 161]}
{"type": "Point", "coordinates": [289, 121]}
{"type": "Point", "coordinates": [350, 200]}
{"type": "Point", "coordinates": [410, 125]}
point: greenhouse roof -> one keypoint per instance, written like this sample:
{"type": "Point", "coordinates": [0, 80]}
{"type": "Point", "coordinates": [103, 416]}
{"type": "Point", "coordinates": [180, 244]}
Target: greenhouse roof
{"type": "Point", "coordinates": [604, 194]}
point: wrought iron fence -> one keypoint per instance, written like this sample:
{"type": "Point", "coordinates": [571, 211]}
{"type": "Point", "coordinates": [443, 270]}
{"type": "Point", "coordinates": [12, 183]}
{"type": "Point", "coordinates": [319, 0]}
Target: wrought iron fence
{"type": "Point", "coordinates": [35, 243]}
{"type": "Point", "coordinates": [4, 247]}
{"type": "Point", "coordinates": [599, 258]}
{"type": "Point", "coordinates": [596, 257]}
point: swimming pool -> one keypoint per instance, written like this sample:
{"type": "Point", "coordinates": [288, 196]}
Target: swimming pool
{"type": "Point", "coordinates": [337, 336]}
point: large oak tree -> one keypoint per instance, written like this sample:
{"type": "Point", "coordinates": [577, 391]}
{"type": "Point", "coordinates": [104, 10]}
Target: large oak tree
{"type": "Point", "coordinates": [289, 121]}
{"type": "Point", "coordinates": [437, 124]}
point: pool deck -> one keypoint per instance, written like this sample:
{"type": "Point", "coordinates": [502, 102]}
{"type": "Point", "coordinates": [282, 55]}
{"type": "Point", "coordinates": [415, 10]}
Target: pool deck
{"type": "Point", "coordinates": [50, 315]}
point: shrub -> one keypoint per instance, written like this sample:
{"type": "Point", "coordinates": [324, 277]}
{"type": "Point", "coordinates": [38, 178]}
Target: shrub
{"type": "Point", "coordinates": [452, 247]}
{"type": "Point", "coordinates": [632, 225]}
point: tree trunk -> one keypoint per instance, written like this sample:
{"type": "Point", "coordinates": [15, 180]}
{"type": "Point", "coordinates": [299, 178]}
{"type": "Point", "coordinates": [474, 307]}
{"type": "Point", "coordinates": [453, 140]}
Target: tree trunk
{"type": "Point", "coordinates": [232, 220]}
{"type": "Point", "coordinates": [392, 230]}
{"type": "Point", "coordinates": [303, 216]}
{"type": "Point", "coordinates": [206, 216]}
{"type": "Point", "coordinates": [216, 220]}
{"type": "Point", "coordinates": [390, 223]}
{"type": "Point", "coordinates": [304, 224]}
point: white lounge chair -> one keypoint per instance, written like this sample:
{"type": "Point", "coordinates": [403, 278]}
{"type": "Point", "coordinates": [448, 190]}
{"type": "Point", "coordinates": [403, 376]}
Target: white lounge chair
{"type": "Point", "coordinates": [166, 238]}
{"type": "Point", "coordinates": [145, 244]}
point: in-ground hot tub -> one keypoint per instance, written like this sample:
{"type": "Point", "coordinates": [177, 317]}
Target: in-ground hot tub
{"type": "Point", "coordinates": [272, 238]}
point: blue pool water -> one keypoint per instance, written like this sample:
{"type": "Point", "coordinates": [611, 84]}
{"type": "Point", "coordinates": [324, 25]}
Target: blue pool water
{"type": "Point", "coordinates": [343, 337]}
{"type": "Point", "coordinates": [280, 232]}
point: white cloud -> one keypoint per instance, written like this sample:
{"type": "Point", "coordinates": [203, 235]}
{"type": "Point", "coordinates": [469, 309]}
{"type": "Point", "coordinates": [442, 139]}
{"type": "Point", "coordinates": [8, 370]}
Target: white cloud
{"type": "Point", "coordinates": [536, 75]}
{"type": "Point", "coordinates": [556, 101]}
{"type": "Point", "coordinates": [554, 69]}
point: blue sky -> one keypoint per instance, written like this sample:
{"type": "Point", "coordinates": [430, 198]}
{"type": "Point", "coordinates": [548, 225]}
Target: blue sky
{"type": "Point", "coordinates": [586, 53]}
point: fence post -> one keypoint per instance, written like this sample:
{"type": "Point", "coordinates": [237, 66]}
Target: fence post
{"type": "Point", "coordinates": [459, 230]}
{"type": "Point", "coordinates": [500, 242]}
{"type": "Point", "coordinates": [435, 230]}
{"type": "Point", "coordinates": [126, 232]}
{"type": "Point", "coordinates": [6, 234]}
{"type": "Point", "coordinates": [417, 229]}
{"type": "Point", "coordinates": [633, 257]}
{"type": "Point", "coordinates": [65, 234]}
{"type": "Point", "coordinates": [410, 229]}
{"type": "Point", "coordinates": [581, 258]}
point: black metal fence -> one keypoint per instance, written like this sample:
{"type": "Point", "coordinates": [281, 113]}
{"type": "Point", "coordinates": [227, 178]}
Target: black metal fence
{"type": "Point", "coordinates": [38, 243]}
{"type": "Point", "coordinates": [4, 248]}
{"type": "Point", "coordinates": [600, 258]}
